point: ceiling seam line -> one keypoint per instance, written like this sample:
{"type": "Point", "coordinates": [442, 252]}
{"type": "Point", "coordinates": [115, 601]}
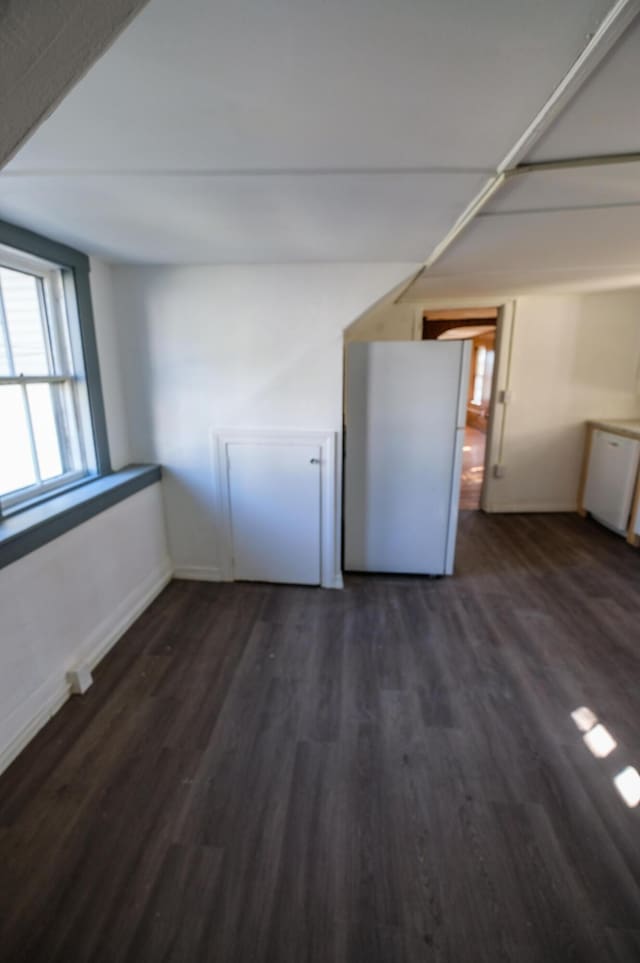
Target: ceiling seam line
{"type": "Point", "coordinates": [438, 170]}
{"type": "Point", "coordinates": [575, 163]}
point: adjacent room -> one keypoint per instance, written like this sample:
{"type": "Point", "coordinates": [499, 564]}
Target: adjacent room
{"type": "Point", "coordinates": [320, 481]}
{"type": "Point", "coordinates": [479, 326]}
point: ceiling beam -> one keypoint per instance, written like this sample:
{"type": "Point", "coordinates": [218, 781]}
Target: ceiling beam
{"type": "Point", "coordinates": [45, 48]}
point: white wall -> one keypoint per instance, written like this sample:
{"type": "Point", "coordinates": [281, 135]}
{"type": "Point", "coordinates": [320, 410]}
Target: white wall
{"type": "Point", "coordinates": [256, 346]}
{"type": "Point", "coordinates": [70, 600]}
{"type": "Point", "coordinates": [386, 322]}
{"type": "Point", "coordinates": [573, 358]}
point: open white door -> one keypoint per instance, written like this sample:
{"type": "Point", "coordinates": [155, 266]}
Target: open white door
{"type": "Point", "coordinates": [274, 500]}
{"type": "Point", "coordinates": [404, 405]}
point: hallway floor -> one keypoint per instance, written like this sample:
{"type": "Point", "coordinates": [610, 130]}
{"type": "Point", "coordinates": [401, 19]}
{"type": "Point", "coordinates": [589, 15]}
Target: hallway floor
{"type": "Point", "coordinates": [472, 468]}
{"type": "Point", "coordinates": [389, 773]}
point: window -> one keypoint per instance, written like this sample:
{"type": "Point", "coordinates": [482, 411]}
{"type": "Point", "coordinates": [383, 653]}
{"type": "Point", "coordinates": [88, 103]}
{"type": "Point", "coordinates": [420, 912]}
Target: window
{"type": "Point", "coordinates": [483, 373]}
{"type": "Point", "coordinates": [55, 470]}
{"type": "Point", "coordinates": [478, 381]}
{"type": "Point", "coordinates": [48, 436]}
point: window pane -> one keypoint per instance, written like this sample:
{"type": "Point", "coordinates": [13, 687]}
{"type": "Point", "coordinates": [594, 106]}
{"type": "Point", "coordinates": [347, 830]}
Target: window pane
{"type": "Point", "coordinates": [481, 357]}
{"type": "Point", "coordinates": [488, 375]}
{"type": "Point", "coordinates": [45, 428]}
{"type": "Point", "coordinates": [4, 360]}
{"type": "Point", "coordinates": [45, 431]}
{"type": "Point", "coordinates": [68, 429]}
{"type": "Point", "coordinates": [16, 465]}
{"type": "Point", "coordinates": [20, 294]}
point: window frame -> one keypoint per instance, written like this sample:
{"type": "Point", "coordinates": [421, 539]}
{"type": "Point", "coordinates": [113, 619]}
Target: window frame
{"type": "Point", "coordinates": [74, 270]}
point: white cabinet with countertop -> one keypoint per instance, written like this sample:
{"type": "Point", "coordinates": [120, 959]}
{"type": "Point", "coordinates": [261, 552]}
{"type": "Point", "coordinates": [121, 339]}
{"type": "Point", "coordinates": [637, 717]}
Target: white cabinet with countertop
{"type": "Point", "coordinates": [610, 483]}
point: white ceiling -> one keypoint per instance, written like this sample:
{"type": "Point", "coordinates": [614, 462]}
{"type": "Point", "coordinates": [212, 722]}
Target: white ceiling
{"type": "Point", "coordinates": [515, 253]}
{"type": "Point", "coordinates": [245, 219]}
{"type": "Point", "coordinates": [576, 188]}
{"type": "Point", "coordinates": [287, 131]}
{"type": "Point", "coordinates": [253, 84]}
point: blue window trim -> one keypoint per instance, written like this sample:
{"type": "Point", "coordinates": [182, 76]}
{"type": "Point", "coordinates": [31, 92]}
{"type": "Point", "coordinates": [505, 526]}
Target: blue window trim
{"type": "Point", "coordinates": [32, 528]}
{"type": "Point", "coordinates": [75, 267]}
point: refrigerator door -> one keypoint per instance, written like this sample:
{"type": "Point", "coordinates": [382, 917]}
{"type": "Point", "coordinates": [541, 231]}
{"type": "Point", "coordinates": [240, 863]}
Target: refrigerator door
{"type": "Point", "coordinates": [613, 466]}
{"type": "Point", "coordinates": [402, 463]}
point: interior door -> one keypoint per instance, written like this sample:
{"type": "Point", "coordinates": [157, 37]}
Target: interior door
{"type": "Point", "coordinates": [274, 491]}
{"type": "Point", "coordinates": [404, 404]}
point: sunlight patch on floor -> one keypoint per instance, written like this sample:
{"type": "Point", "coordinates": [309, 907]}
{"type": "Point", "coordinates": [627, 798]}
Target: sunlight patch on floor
{"type": "Point", "coordinates": [601, 743]}
{"type": "Point", "coordinates": [584, 718]}
{"type": "Point", "coordinates": [627, 783]}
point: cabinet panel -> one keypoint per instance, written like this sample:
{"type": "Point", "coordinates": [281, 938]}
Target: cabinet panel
{"type": "Point", "coordinates": [613, 467]}
{"type": "Point", "coordinates": [274, 494]}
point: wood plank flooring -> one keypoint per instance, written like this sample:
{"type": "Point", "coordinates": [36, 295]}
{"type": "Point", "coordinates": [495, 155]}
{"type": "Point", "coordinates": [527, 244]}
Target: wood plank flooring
{"type": "Point", "coordinates": [389, 773]}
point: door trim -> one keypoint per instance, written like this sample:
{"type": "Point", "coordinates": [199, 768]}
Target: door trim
{"type": "Point", "coordinates": [221, 438]}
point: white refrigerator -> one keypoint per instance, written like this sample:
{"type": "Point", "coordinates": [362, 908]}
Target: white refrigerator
{"type": "Point", "coordinates": [406, 408]}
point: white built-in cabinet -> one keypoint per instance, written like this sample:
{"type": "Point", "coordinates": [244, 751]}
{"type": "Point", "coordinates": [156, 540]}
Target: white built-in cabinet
{"type": "Point", "coordinates": [275, 503]}
{"type": "Point", "coordinates": [610, 483]}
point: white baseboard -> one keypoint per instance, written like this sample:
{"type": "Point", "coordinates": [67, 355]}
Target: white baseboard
{"type": "Point", "coordinates": [124, 615]}
{"type": "Point", "coordinates": [41, 705]}
{"type": "Point", "coordinates": [210, 573]}
{"type": "Point", "coordinates": [336, 583]}
{"type": "Point", "coordinates": [37, 710]}
{"type": "Point", "coordinates": [198, 573]}
{"type": "Point", "coordinates": [526, 508]}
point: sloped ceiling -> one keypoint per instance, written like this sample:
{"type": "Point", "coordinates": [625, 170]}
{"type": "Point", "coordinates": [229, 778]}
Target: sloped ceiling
{"type": "Point", "coordinates": [561, 229]}
{"type": "Point", "coordinates": [605, 115]}
{"type": "Point", "coordinates": [280, 131]}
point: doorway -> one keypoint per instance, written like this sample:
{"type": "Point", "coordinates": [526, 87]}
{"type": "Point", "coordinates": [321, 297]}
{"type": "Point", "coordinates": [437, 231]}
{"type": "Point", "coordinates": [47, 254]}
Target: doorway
{"type": "Point", "coordinates": [479, 326]}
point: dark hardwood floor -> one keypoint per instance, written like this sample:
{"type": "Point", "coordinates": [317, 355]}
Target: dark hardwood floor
{"type": "Point", "coordinates": [389, 773]}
